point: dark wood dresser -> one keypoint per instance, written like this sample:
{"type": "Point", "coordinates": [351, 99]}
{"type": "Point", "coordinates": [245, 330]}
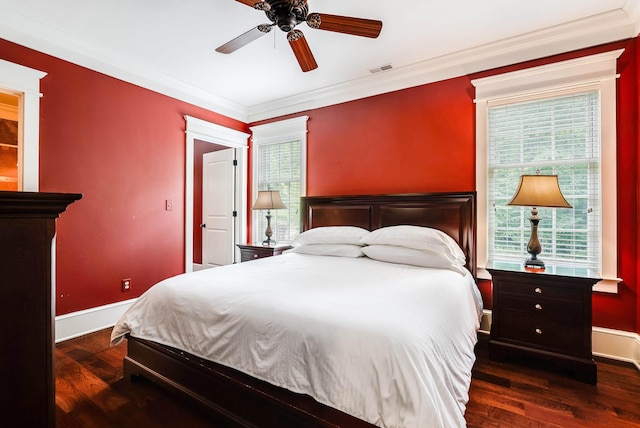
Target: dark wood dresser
{"type": "Point", "coordinates": [256, 251]}
{"type": "Point", "coordinates": [27, 227]}
{"type": "Point", "coordinates": [543, 314]}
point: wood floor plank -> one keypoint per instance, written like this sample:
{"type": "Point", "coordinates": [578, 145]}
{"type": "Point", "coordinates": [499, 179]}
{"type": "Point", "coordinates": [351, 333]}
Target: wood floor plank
{"type": "Point", "coordinates": [91, 393]}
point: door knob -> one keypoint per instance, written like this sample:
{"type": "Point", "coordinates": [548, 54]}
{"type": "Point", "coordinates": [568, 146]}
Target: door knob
{"type": "Point", "coordinates": [203, 225]}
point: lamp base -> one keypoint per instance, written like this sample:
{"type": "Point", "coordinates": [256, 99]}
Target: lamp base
{"type": "Point", "coordinates": [269, 233]}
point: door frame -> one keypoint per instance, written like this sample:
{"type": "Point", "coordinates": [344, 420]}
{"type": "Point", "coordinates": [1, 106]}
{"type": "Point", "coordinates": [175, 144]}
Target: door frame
{"type": "Point", "coordinates": [24, 82]}
{"type": "Point", "coordinates": [198, 129]}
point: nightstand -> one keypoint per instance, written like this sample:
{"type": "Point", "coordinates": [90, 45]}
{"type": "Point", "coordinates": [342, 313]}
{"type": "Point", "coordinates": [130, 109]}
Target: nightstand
{"type": "Point", "coordinates": [543, 314]}
{"type": "Point", "coordinates": [257, 251]}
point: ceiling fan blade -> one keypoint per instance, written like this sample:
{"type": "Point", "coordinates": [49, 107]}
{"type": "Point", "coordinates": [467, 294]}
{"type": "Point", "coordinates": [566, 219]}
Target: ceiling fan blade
{"type": "Point", "coordinates": [256, 4]}
{"type": "Point", "coordinates": [301, 50]}
{"type": "Point", "coordinates": [244, 39]}
{"type": "Point", "coordinates": [345, 24]}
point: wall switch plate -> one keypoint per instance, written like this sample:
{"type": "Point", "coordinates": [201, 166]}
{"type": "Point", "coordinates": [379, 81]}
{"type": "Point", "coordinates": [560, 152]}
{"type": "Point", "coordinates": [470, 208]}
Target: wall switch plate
{"type": "Point", "coordinates": [126, 284]}
{"type": "Point", "coordinates": [168, 205]}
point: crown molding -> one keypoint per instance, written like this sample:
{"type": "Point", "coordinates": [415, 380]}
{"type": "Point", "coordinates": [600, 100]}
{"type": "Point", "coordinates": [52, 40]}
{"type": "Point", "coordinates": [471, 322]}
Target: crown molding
{"type": "Point", "coordinates": [598, 29]}
{"type": "Point", "coordinates": [632, 8]}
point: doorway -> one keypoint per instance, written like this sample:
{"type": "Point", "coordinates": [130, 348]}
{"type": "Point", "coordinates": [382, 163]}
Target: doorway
{"type": "Point", "coordinates": [10, 152]}
{"type": "Point", "coordinates": [198, 130]}
{"type": "Point", "coordinates": [24, 83]}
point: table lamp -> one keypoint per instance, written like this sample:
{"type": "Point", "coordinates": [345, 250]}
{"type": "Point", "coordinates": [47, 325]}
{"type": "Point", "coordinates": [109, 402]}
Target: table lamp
{"type": "Point", "coordinates": [537, 191]}
{"type": "Point", "coordinates": [268, 200]}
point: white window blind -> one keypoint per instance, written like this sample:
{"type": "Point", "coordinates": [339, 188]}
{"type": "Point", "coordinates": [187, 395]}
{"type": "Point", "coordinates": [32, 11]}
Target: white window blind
{"type": "Point", "coordinates": [553, 135]}
{"type": "Point", "coordinates": [279, 168]}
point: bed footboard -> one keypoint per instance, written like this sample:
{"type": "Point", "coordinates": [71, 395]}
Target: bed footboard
{"type": "Point", "coordinates": [232, 396]}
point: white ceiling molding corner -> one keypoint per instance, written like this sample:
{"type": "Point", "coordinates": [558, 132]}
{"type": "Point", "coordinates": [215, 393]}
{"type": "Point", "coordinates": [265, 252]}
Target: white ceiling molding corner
{"type": "Point", "coordinates": [632, 7]}
{"type": "Point", "coordinates": [24, 31]}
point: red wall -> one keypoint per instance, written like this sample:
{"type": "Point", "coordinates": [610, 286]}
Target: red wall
{"type": "Point", "coordinates": [123, 148]}
{"type": "Point", "coordinates": [405, 141]}
{"type": "Point", "coordinates": [423, 140]}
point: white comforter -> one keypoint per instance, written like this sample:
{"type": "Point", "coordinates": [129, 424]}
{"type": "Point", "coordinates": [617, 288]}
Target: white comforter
{"type": "Point", "coordinates": [388, 343]}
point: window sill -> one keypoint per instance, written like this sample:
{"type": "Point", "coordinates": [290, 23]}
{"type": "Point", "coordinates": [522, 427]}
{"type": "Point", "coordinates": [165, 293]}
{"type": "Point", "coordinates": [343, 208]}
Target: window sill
{"type": "Point", "coordinates": [607, 286]}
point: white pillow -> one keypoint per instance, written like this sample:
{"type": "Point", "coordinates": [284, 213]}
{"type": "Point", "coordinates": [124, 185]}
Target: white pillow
{"type": "Point", "coordinates": [340, 250]}
{"type": "Point", "coordinates": [331, 235]}
{"type": "Point", "coordinates": [417, 238]}
{"type": "Point", "coordinates": [411, 256]}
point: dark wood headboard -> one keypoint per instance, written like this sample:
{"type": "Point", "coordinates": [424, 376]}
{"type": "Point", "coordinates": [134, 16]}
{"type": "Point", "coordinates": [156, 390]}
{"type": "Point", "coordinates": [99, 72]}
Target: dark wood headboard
{"type": "Point", "coordinates": [453, 213]}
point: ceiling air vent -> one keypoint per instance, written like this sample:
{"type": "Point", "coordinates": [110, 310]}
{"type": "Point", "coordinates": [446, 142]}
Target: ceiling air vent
{"type": "Point", "coordinates": [382, 68]}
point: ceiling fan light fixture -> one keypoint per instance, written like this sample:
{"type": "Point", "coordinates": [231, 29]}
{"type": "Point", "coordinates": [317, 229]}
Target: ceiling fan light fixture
{"type": "Point", "coordinates": [287, 22]}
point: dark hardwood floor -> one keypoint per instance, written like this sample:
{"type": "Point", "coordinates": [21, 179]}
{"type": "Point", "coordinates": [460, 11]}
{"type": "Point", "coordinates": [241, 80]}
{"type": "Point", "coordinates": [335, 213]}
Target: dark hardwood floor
{"type": "Point", "coordinates": [91, 393]}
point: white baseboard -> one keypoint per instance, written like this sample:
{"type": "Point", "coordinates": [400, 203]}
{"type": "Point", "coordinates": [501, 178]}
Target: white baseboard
{"type": "Point", "coordinates": [607, 343]}
{"type": "Point", "coordinates": [84, 322]}
{"type": "Point", "coordinates": [617, 345]}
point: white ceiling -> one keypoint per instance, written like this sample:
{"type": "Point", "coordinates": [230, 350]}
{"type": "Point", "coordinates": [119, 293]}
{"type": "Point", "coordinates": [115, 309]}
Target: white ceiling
{"type": "Point", "coordinates": [168, 46]}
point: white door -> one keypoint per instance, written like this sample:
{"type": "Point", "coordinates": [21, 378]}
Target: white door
{"type": "Point", "coordinates": [218, 195]}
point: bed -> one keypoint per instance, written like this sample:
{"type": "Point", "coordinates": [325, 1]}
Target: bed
{"type": "Point", "coordinates": [319, 388]}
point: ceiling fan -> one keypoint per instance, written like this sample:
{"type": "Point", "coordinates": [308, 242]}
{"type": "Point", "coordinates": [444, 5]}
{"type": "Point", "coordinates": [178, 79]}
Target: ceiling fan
{"type": "Point", "coordinates": [287, 14]}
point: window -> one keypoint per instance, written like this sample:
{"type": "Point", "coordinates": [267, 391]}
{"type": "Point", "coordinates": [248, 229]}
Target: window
{"type": "Point", "coordinates": [553, 135]}
{"type": "Point", "coordinates": [556, 119]}
{"type": "Point", "coordinates": [279, 163]}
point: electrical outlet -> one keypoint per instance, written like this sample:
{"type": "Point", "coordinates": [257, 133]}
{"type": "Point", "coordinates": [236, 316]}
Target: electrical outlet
{"type": "Point", "coordinates": [126, 284]}
{"type": "Point", "coordinates": [168, 205]}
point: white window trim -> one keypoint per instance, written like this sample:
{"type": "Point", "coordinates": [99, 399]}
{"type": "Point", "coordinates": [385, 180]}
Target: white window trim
{"type": "Point", "coordinates": [198, 129]}
{"type": "Point", "coordinates": [25, 83]}
{"type": "Point", "coordinates": [533, 82]}
{"type": "Point", "coordinates": [279, 132]}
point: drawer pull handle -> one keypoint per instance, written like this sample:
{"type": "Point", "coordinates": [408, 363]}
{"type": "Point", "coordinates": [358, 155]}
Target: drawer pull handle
{"type": "Point", "coordinates": [538, 307]}
{"type": "Point", "coordinates": [538, 331]}
{"type": "Point", "coordinates": [538, 290]}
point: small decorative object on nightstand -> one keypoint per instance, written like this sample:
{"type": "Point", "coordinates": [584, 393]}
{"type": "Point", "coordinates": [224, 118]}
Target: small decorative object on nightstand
{"type": "Point", "coordinates": [257, 251]}
{"type": "Point", "coordinates": [544, 314]}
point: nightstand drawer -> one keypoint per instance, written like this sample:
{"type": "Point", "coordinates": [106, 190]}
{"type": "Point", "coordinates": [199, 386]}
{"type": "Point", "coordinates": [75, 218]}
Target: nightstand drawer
{"type": "Point", "coordinates": [253, 252]}
{"type": "Point", "coordinates": [536, 306]}
{"type": "Point", "coordinates": [547, 334]}
{"type": "Point", "coordinates": [540, 289]}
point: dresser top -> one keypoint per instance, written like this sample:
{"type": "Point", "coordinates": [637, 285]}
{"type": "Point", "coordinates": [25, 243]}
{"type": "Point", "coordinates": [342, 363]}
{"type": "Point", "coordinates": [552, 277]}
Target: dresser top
{"type": "Point", "coordinates": [568, 271]}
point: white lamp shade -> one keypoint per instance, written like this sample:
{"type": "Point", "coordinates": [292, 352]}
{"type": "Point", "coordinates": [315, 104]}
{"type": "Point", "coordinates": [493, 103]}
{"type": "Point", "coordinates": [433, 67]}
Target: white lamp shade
{"type": "Point", "coordinates": [268, 200]}
{"type": "Point", "coordinates": [539, 191]}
